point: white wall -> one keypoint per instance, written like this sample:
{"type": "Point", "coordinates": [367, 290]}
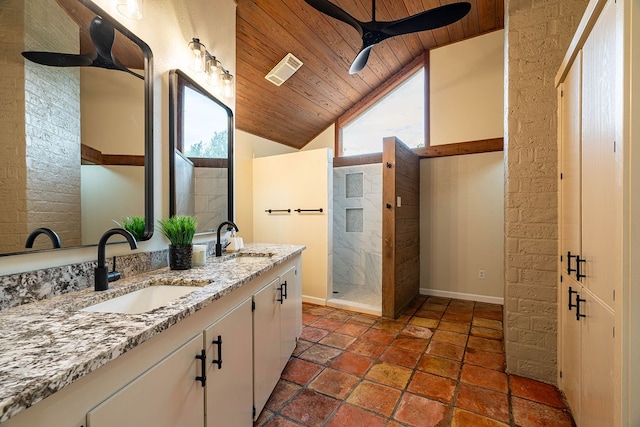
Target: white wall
{"type": "Point", "coordinates": [467, 90]}
{"type": "Point", "coordinates": [167, 27]}
{"type": "Point", "coordinates": [248, 147]}
{"type": "Point", "coordinates": [462, 226]}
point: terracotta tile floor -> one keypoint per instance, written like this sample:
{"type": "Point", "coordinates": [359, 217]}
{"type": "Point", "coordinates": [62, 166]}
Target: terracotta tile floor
{"type": "Point", "coordinates": [440, 364]}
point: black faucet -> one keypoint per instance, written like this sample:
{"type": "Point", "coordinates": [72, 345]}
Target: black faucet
{"type": "Point", "coordinates": [102, 274]}
{"type": "Point", "coordinates": [229, 225]}
{"type": "Point", "coordinates": [55, 239]}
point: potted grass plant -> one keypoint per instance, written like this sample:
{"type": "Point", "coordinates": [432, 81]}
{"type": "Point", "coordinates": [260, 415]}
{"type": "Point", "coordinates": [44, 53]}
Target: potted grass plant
{"type": "Point", "coordinates": [134, 225]}
{"type": "Point", "coordinates": [179, 230]}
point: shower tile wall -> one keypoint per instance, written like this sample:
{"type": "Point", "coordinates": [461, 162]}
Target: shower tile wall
{"type": "Point", "coordinates": [357, 227]}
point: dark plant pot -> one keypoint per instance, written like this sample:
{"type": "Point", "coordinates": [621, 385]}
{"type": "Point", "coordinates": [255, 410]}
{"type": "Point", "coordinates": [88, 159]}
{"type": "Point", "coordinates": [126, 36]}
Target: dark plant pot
{"type": "Point", "coordinates": [180, 257]}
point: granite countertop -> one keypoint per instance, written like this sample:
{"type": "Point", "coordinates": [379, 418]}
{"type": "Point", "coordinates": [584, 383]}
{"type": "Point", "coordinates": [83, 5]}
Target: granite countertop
{"type": "Point", "coordinates": [49, 344]}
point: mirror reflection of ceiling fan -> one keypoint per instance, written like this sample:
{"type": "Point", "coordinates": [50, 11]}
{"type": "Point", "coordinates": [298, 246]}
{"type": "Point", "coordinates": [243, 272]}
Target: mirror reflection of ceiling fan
{"type": "Point", "coordinates": [374, 32]}
{"type": "Point", "coordinates": [103, 35]}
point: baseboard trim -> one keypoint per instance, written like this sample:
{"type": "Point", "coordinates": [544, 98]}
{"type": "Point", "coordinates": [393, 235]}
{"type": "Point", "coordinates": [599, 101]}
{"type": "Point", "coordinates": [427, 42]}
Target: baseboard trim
{"type": "Point", "coordinates": [463, 296]}
{"type": "Point", "coordinates": [314, 300]}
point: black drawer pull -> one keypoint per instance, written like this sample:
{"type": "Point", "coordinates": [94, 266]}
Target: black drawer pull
{"type": "Point", "coordinates": [218, 361]}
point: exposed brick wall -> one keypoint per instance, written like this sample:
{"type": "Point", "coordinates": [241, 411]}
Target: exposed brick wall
{"type": "Point", "coordinates": [538, 33]}
{"type": "Point", "coordinates": [40, 161]}
{"type": "Point", "coordinates": [12, 167]}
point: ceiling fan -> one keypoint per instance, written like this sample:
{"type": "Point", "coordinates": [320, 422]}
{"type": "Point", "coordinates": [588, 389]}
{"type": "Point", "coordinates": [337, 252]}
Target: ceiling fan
{"type": "Point", "coordinates": [102, 34]}
{"type": "Point", "coordinates": [374, 32]}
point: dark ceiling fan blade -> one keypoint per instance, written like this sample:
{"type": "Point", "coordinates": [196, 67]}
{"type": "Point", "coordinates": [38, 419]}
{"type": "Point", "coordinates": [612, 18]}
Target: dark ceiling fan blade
{"type": "Point", "coordinates": [361, 60]}
{"type": "Point", "coordinates": [330, 9]}
{"type": "Point", "coordinates": [102, 34]}
{"type": "Point", "coordinates": [428, 20]}
{"type": "Point", "coordinates": [60, 59]}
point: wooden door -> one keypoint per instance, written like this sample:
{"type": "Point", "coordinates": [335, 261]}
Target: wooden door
{"type": "Point", "coordinates": [266, 343]}
{"type": "Point", "coordinates": [166, 395]}
{"type": "Point", "coordinates": [400, 227]}
{"type": "Point", "coordinates": [229, 347]}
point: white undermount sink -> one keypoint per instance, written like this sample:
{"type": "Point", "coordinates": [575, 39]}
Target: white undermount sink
{"type": "Point", "coordinates": [248, 259]}
{"type": "Point", "coordinates": [142, 300]}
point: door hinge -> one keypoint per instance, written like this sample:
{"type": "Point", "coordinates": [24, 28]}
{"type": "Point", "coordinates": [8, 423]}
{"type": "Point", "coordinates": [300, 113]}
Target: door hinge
{"type": "Point", "coordinates": [561, 278]}
{"type": "Point", "coordinates": [561, 258]}
{"type": "Point", "coordinates": [253, 306]}
{"type": "Point", "coordinates": [614, 146]}
{"type": "Point", "coordinates": [560, 374]}
{"type": "Point", "coordinates": [561, 175]}
{"type": "Point", "coordinates": [614, 331]}
{"type": "Point", "coordinates": [561, 93]}
{"type": "Point", "coordinates": [254, 412]}
{"type": "Point", "coordinates": [614, 294]}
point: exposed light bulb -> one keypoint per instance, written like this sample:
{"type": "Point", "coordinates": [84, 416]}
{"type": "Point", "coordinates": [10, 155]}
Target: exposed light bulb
{"type": "Point", "coordinates": [213, 68]}
{"type": "Point", "coordinates": [198, 55]}
{"type": "Point", "coordinates": [227, 83]}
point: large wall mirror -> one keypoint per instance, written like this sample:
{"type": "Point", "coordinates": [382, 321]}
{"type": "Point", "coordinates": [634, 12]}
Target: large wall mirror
{"type": "Point", "coordinates": [201, 153]}
{"type": "Point", "coordinates": [76, 142]}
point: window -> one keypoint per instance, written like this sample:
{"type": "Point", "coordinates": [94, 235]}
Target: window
{"type": "Point", "coordinates": [399, 113]}
{"type": "Point", "coordinates": [205, 127]}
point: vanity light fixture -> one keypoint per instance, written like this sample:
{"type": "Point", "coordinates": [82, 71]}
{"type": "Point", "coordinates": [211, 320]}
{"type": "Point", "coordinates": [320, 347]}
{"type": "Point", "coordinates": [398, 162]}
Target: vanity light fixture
{"type": "Point", "coordinates": [217, 76]}
{"type": "Point", "coordinates": [130, 8]}
{"type": "Point", "coordinates": [198, 54]}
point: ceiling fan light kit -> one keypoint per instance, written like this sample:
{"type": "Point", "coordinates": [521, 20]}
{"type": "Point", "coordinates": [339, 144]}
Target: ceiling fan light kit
{"type": "Point", "coordinates": [285, 69]}
{"type": "Point", "coordinates": [374, 32]}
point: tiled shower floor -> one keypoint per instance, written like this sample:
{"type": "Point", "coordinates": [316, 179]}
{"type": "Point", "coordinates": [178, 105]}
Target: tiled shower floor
{"type": "Point", "coordinates": [361, 295]}
{"type": "Point", "coordinates": [440, 364]}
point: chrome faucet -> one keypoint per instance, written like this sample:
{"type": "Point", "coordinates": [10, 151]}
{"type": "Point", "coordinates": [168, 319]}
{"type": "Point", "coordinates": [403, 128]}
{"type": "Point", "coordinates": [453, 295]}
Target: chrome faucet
{"type": "Point", "coordinates": [230, 225]}
{"type": "Point", "coordinates": [55, 239]}
{"type": "Point", "coordinates": [102, 274]}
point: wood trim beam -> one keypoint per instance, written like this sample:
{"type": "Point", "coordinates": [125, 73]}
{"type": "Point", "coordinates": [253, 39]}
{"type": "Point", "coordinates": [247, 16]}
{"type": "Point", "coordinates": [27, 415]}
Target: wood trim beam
{"type": "Point", "coordinates": [460, 148]}
{"type": "Point", "coordinates": [202, 162]}
{"type": "Point", "coordinates": [89, 155]}
{"type": "Point", "coordinates": [365, 159]}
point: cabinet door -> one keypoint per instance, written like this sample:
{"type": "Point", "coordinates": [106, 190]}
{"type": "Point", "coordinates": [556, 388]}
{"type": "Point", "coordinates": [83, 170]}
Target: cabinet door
{"type": "Point", "coordinates": [570, 232]}
{"type": "Point", "coordinates": [266, 343]}
{"type": "Point", "coordinates": [602, 211]}
{"type": "Point", "coordinates": [167, 395]}
{"type": "Point", "coordinates": [291, 315]}
{"type": "Point", "coordinates": [598, 402]}
{"type": "Point", "coordinates": [229, 391]}
{"type": "Point", "coordinates": [571, 342]}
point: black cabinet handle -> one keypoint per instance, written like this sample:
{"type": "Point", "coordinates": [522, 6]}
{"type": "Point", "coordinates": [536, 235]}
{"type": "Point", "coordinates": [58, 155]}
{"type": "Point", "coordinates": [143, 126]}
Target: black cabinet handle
{"type": "Point", "coordinates": [281, 298]}
{"type": "Point", "coordinates": [579, 262]}
{"type": "Point", "coordinates": [203, 366]}
{"type": "Point", "coordinates": [571, 292]}
{"type": "Point", "coordinates": [284, 291]}
{"type": "Point", "coordinates": [578, 301]}
{"type": "Point", "coordinates": [569, 269]}
{"type": "Point", "coordinates": [218, 361]}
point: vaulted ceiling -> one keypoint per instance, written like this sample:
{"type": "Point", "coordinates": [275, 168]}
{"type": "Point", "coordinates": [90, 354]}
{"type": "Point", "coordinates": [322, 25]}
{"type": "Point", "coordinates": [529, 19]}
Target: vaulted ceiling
{"type": "Point", "coordinates": [322, 90]}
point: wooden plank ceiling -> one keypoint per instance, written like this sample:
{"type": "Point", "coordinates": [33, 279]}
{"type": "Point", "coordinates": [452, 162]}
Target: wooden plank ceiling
{"type": "Point", "coordinates": [319, 92]}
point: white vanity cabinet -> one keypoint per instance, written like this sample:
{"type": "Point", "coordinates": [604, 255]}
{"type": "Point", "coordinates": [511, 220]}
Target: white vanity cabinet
{"type": "Point", "coordinates": [164, 396]}
{"type": "Point", "coordinates": [229, 350]}
{"type": "Point", "coordinates": [160, 381]}
{"type": "Point", "coordinates": [277, 324]}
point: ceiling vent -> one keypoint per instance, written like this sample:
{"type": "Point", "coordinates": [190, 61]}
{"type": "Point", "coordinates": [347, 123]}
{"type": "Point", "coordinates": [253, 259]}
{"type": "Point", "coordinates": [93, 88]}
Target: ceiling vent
{"type": "Point", "coordinates": [285, 69]}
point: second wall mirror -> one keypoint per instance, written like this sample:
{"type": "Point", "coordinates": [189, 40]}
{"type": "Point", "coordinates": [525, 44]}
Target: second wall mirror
{"type": "Point", "coordinates": [201, 153]}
